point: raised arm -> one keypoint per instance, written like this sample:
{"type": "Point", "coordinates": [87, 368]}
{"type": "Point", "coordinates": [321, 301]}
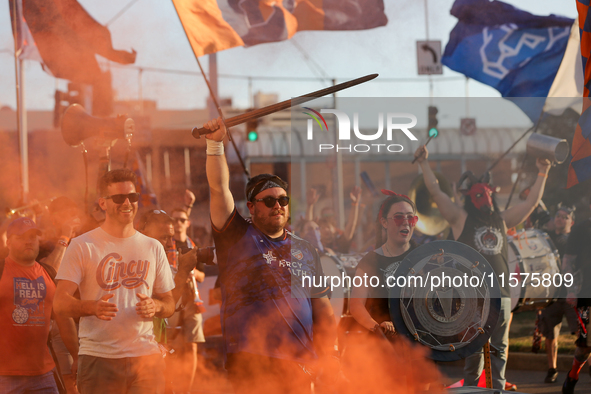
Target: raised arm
{"type": "Point", "coordinates": [312, 198]}
{"type": "Point", "coordinates": [449, 210]}
{"type": "Point", "coordinates": [189, 201]}
{"type": "Point", "coordinates": [68, 230]}
{"type": "Point", "coordinates": [354, 213]}
{"type": "Point", "coordinates": [221, 202]}
{"type": "Point", "coordinates": [518, 213]}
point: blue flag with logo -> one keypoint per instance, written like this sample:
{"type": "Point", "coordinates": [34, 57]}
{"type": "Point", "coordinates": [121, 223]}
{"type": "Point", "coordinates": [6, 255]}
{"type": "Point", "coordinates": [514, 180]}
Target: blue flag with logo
{"type": "Point", "coordinates": [511, 50]}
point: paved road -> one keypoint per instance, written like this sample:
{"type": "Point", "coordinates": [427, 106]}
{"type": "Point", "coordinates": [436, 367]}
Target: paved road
{"type": "Point", "coordinates": [530, 381]}
{"type": "Point", "coordinates": [526, 381]}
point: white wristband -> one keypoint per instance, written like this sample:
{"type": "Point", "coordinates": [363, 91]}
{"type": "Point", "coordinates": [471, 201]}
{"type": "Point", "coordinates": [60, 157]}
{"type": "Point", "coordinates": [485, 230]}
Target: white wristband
{"type": "Point", "coordinates": [214, 148]}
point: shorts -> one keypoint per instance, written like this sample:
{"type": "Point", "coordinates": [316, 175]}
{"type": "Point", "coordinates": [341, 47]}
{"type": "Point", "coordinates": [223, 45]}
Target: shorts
{"type": "Point", "coordinates": [63, 356]}
{"type": "Point", "coordinates": [128, 375]}
{"type": "Point", "coordinates": [551, 319]}
{"type": "Point", "coordinates": [192, 326]}
{"type": "Point", "coordinates": [40, 384]}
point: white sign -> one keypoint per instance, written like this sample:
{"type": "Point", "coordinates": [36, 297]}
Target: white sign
{"type": "Point", "coordinates": [468, 126]}
{"type": "Point", "coordinates": [429, 57]}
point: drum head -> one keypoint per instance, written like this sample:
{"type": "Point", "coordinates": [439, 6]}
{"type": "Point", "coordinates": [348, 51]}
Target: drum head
{"type": "Point", "coordinates": [453, 319]}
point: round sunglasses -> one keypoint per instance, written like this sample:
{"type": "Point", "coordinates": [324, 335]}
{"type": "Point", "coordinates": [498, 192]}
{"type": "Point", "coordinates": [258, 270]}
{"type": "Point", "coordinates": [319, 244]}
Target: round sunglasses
{"type": "Point", "coordinates": [271, 201]}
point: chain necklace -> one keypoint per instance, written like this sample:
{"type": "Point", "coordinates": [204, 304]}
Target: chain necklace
{"type": "Point", "coordinates": [388, 250]}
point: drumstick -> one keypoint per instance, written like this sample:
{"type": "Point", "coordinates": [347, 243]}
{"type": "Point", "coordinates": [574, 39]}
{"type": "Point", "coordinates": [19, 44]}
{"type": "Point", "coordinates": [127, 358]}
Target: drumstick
{"type": "Point", "coordinates": [430, 138]}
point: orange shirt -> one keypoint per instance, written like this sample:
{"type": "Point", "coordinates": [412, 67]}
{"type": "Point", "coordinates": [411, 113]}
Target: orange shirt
{"type": "Point", "coordinates": [26, 300]}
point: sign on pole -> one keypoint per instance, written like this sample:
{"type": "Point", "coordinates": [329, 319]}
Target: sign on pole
{"type": "Point", "coordinates": [468, 126]}
{"type": "Point", "coordinates": [429, 57]}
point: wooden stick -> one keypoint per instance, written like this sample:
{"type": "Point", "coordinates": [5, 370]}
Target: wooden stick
{"type": "Point", "coordinates": [258, 113]}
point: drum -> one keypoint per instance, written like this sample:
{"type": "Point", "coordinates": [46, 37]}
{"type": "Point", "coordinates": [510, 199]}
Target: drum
{"type": "Point", "coordinates": [333, 268]}
{"type": "Point", "coordinates": [532, 251]}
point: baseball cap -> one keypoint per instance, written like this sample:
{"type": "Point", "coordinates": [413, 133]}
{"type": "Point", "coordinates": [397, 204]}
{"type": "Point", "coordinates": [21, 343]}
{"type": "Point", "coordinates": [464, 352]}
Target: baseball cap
{"type": "Point", "coordinates": [21, 226]}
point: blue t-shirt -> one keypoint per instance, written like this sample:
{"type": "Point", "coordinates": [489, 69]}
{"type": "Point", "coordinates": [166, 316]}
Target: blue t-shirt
{"type": "Point", "coordinates": [263, 311]}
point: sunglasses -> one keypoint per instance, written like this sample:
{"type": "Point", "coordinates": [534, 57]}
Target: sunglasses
{"type": "Point", "coordinates": [271, 201]}
{"type": "Point", "coordinates": [182, 220]}
{"type": "Point", "coordinates": [399, 219]}
{"type": "Point", "coordinates": [120, 198]}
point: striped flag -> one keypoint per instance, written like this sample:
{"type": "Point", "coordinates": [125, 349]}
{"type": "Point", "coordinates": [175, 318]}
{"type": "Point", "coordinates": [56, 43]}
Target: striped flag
{"type": "Point", "coordinates": [580, 165]}
{"type": "Point", "coordinates": [212, 26]}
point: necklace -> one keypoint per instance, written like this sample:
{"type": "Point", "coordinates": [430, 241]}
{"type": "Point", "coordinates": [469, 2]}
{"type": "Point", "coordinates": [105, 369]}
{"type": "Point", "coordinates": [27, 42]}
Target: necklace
{"type": "Point", "coordinates": [388, 250]}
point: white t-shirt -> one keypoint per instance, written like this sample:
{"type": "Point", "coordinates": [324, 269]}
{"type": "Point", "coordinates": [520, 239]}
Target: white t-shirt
{"type": "Point", "coordinates": [101, 264]}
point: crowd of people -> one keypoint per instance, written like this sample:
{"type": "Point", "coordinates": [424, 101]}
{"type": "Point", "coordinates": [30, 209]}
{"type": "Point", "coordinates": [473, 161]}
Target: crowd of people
{"type": "Point", "coordinates": [96, 310]}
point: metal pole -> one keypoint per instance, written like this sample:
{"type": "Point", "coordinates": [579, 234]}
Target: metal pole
{"type": "Point", "coordinates": [140, 92]}
{"type": "Point", "coordinates": [340, 182]}
{"type": "Point", "coordinates": [17, 51]}
{"type": "Point", "coordinates": [23, 135]}
{"type": "Point", "coordinates": [427, 38]}
{"type": "Point", "coordinates": [187, 168]}
{"type": "Point", "coordinates": [213, 80]}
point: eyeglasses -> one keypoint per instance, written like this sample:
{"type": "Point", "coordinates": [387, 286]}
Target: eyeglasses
{"type": "Point", "coordinates": [399, 219]}
{"type": "Point", "coordinates": [182, 220]}
{"type": "Point", "coordinates": [120, 198]}
{"type": "Point", "coordinates": [271, 201]}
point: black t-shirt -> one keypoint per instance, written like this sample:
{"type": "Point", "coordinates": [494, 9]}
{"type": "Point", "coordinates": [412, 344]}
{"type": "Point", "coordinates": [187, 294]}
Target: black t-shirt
{"type": "Point", "coordinates": [486, 234]}
{"type": "Point", "coordinates": [559, 241]}
{"type": "Point", "coordinates": [579, 244]}
{"type": "Point", "coordinates": [374, 264]}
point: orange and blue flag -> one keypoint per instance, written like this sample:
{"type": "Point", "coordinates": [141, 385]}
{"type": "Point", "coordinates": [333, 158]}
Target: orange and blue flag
{"type": "Point", "coordinates": [215, 25]}
{"type": "Point", "coordinates": [580, 165]}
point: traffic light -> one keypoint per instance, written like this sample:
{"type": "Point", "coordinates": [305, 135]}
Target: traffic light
{"type": "Point", "coordinates": [252, 134]}
{"type": "Point", "coordinates": [432, 130]}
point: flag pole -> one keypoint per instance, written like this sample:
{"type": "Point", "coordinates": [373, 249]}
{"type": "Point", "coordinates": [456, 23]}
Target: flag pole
{"type": "Point", "coordinates": [214, 99]}
{"type": "Point", "coordinates": [17, 79]}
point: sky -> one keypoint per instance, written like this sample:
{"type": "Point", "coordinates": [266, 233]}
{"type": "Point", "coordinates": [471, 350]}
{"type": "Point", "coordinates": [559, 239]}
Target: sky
{"type": "Point", "coordinates": [152, 28]}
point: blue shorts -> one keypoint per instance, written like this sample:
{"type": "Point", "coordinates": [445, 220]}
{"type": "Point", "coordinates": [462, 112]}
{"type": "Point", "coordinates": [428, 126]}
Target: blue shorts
{"type": "Point", "coordinates": [39, 384]}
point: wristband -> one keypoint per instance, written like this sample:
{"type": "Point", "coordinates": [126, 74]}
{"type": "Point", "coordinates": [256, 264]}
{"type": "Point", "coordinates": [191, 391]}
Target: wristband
{"type": "Point", "coordinates": [62, 242]}
{"type": "Point", "coordinates": [214, 148]}
{"type": "Point", "coordinates": [542, 174]}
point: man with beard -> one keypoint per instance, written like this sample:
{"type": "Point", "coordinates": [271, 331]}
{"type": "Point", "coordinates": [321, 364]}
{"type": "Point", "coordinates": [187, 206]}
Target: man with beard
{"type": "Point", "coordinates": [277, 327]}
{"type": "Point", "coordinates": [481, 225]}
{"type": "Point", "coordinates": [124, 280]}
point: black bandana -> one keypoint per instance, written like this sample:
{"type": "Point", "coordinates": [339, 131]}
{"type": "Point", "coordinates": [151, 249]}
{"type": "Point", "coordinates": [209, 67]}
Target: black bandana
{"type": "Point", "coordinates": [264, 182]}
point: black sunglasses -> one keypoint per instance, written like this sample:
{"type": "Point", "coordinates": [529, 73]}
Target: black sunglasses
{"type": "Point", "coordinates": [270, 201]}
{"type": "Point", "coordinates": [120, 198]}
